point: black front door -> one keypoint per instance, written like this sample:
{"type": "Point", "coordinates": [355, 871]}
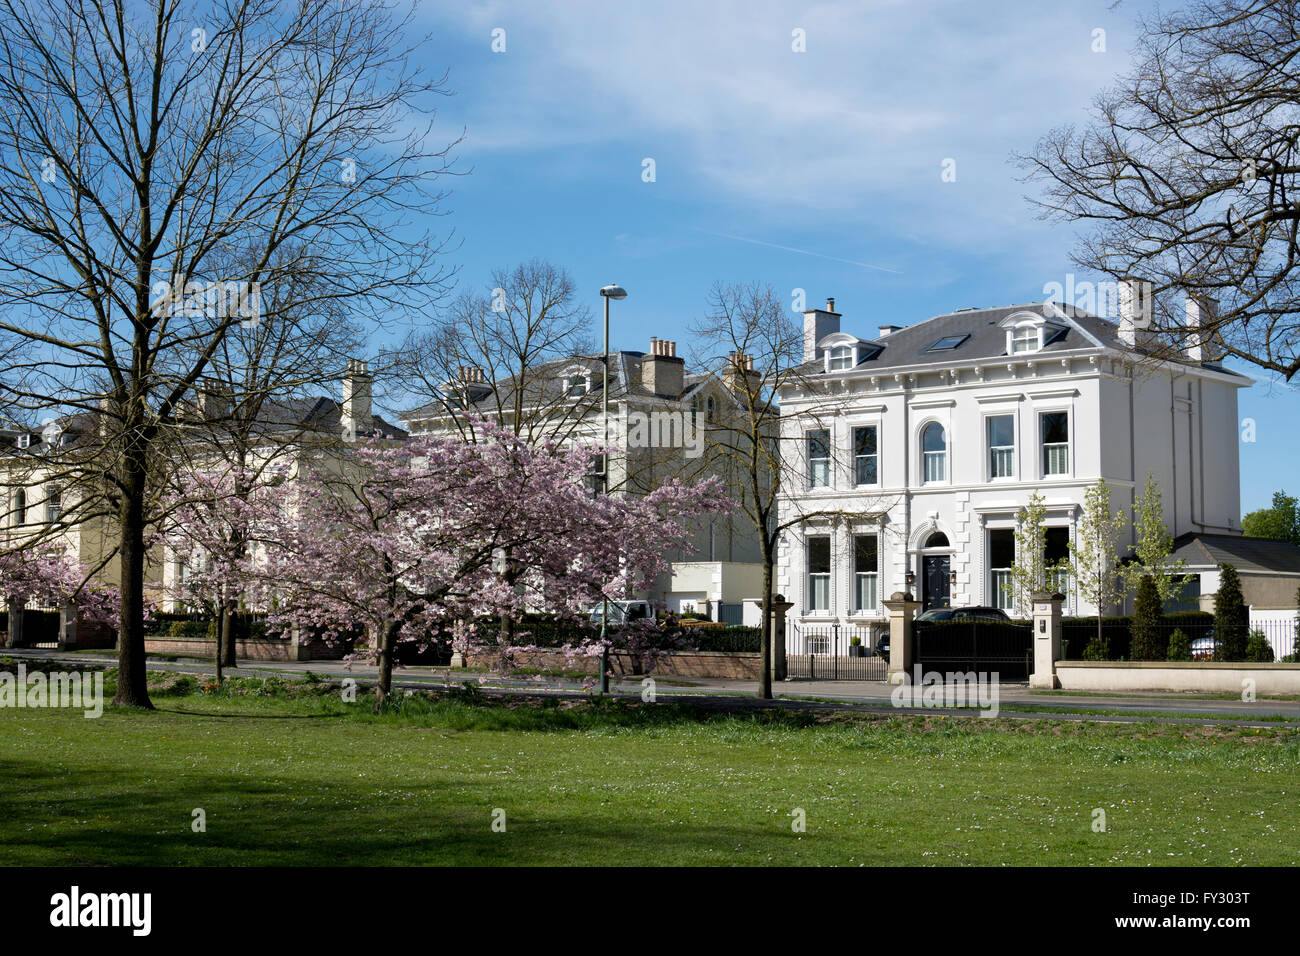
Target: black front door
{"type": "Point", "coordinates": [934, 573]}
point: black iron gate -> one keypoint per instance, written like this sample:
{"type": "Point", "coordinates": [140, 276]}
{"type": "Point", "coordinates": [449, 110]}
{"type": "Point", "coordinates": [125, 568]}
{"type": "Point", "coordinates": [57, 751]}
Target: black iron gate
{"type": "Point", "coordinates": [1004, 648]}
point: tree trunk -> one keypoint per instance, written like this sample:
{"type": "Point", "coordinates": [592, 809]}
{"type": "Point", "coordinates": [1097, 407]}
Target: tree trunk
{"type": "Point", "coordinates": [765, 674]}
{"type": "Point", "coordinates": [227, 633]}
{"type": "Point", "coordinates": [132, 684]}
{"type": "Point", "coordinates": [385, 640]}
{"type": "Point", "coordinates": [225, 638]}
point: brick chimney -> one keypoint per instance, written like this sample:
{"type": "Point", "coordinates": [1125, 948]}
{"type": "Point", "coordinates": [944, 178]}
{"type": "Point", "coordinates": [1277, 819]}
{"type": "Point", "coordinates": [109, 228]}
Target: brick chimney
{"type": "Point", "coordinates": [817, 324]}
{"type": "Point", "coordinates": [214, 400]}
{"type": "Point", "coordinates": [662, 372]}
{"type": "Point", "coordinates": [355, 416]}
{"type": "Point", "coordinates": [741, 376]}
{"type": "Point", "coordinates": [1199, 343]}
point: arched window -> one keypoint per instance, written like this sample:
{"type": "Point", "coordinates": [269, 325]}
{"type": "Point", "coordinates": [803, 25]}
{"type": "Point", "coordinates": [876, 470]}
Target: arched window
{"type": "Point", "coordinates": [937, 540]}
{"type": "Point", "coordinates": [20, 507]}
{"type": "Point", "coordinates": [934, 450]}
{"type": "Point", "coordinates": [841, 357]}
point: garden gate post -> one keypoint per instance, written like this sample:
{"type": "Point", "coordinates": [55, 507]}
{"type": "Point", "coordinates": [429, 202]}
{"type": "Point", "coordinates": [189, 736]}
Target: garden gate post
{"type": "Point", "coordinates": [780, 608]}
{"type": "Point", "coordinates": [15, 622]}
{"type": "Point", "coordinates": [1047, 639]}
{"type": "Point", "coordinates": [902, 607]}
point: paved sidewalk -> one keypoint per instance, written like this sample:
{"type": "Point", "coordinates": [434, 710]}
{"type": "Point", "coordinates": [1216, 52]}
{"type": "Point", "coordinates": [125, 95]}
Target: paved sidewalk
{"type": "Point", "coordinates": [1015, 700]}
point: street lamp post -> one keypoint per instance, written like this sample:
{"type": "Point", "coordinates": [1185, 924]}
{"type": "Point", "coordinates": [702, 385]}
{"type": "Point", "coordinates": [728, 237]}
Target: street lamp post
{"type": "Point", "coordinates": [611, 291]}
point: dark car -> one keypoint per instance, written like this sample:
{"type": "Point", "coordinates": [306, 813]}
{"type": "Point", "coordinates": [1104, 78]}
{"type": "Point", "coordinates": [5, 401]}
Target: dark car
{"type": "Point", "coordinates": [963, 614]}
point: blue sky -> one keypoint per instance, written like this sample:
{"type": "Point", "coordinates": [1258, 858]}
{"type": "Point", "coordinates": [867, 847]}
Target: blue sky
{"type": "Point", "coordinates": [818, 170]}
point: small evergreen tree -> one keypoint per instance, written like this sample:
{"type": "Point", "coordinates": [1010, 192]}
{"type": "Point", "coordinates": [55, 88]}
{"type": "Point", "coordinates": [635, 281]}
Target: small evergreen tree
{"type": "Point", "coordinates": [1098, 649]}
{"type": "Point", "coordinates": [1180, 646]}
{"type": "Point", "coordinates": [1231, 618]}
{"type": "Point", "coordinates": [1258, 649]}
{"type": "Point", "coordinates": [1147, 617]}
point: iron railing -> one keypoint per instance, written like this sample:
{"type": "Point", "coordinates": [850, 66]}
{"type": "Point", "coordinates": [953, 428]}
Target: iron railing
{"type": "Point", "coordinates": [827, 652]}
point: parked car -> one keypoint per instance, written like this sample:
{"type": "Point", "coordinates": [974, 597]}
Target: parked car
{"type": "Point", "coordinates": [963, 614]}
{"type": "Point", "coordinates": [882, 646]}
{"type": "Point", "coordinates": [622, 612]}
{"type": "Point", "coordinates": [1205, 648]}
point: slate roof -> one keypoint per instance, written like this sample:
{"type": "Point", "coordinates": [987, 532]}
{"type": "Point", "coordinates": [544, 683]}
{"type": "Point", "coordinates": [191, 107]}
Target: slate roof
{"type": "Point", "coordinates": [311, 415]}
{"type": "Point", "coordinates": [908, 346]}
{"type": "Point", "coordinates": [547, 384]}
{"type": "Point", "coordinates": [1244, 554]}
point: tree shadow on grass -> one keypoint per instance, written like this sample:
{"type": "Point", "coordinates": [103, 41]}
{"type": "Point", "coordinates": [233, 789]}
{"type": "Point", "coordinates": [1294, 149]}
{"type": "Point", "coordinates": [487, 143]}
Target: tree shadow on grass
{"type": "Point", "coordinates": [114, 817]}
{"type": "Point", "coordinates": [245, 715]}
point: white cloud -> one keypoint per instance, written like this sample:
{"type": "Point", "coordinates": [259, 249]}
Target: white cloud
{"type": "Point", "coordinates": [852, 131]}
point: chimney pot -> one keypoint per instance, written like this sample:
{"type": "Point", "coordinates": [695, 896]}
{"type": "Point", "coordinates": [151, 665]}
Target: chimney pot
{"type": "Point", "coordinates": [830, 305]}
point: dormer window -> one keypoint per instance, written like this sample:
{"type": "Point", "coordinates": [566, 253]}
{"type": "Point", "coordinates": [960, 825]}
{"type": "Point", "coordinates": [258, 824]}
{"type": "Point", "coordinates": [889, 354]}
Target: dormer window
{"type": "Point", "coordinates": [1030, 332]}
{"type": "Point", "coordinates": [1025, 339]}
{"type": "Point", "coordinates": [841, 358]}
{"type": "Point", "coordinates": [577, 385]}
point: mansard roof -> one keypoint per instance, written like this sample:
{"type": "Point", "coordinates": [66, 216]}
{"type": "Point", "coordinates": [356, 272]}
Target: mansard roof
{"type": "Point", "coordinates": [983, 335]}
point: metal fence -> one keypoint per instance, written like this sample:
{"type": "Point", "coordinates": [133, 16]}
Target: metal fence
{"type": "Point", "coordinates": [827, 652]}
{"type": "Point", "coordinates": [732, 615]}
{"type": "Point", "coordinates": [1004, 648]}
{"type": "Point", "coordinates": [1272, 640]}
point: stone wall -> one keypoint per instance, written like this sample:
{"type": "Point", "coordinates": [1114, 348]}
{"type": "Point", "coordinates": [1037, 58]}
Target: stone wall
{"type": "Point", "coordinates": [1203, 676]}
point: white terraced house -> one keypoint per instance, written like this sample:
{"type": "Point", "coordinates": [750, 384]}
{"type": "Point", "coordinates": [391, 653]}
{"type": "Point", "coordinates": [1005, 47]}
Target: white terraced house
{"type": "Point", "coordinates": [920, 445]}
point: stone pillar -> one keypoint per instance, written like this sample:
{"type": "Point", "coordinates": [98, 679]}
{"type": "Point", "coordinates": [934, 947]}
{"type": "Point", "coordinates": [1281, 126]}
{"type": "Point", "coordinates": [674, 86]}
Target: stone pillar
{"type": "Point", "coordinates": [298, 649]}
{"type": "Point", "coordinates": [780, 608]}
{"type": "Point", "coordinates": [67, 628]}
{"type": "Point", "coordinates": [902, 607]}
{"type": "Point", "coordinates": [1047, 639]}
{"type": "Point", "coordinates": [15, 623]}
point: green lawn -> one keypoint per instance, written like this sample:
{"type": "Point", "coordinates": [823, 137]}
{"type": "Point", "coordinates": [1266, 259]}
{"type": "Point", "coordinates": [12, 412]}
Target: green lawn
{"type": "Point", "coordinates": [295, 776]}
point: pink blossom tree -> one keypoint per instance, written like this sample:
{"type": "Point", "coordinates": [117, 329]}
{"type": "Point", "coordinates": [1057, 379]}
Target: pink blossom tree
{"type": "Point", "coordinates": [45, 573]}
{"type": "Point", "coordinates": [405, 539]}
{"type": "Point", "coordinates": [213, 513]}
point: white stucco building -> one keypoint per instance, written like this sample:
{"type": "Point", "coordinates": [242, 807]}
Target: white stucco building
{"type": "Point", "coordinates": [920, 444]}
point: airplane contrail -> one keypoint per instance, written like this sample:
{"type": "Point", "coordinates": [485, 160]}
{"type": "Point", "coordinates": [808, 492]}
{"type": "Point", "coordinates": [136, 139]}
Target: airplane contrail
{"type": "Point", "coordinates": [802, 252]}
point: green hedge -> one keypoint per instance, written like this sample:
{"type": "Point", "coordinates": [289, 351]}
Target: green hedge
{"type": "Point", "coordinates": [742, 639]}
{"type": "Point", "coordinates": [1076, 632]}
{"type": "Point", "coordinates": [194, 627]}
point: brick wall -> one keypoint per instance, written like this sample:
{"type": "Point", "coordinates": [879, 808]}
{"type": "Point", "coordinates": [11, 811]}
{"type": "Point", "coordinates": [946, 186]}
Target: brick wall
{"type": "Point", "coordinates": [731, 665]}
{"type": "Point", "coordinates": [258, 649]}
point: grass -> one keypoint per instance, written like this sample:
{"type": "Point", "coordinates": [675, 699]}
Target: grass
{"type": "Point", "coordinates": [288, 773]}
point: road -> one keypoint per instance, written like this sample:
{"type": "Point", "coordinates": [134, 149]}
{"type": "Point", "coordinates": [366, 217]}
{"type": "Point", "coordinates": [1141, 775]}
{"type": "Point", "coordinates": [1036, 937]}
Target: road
{"type": "Point", "coordinates": [1014, 700]}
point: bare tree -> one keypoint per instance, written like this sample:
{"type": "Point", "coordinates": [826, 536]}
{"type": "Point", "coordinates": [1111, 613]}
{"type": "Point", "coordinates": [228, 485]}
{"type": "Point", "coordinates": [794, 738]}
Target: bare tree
{"type": "Point", "coordinates": [249, 414]}
{"type": "Point", "coordinates": [1189, 175]}
{"type": "Point", "coordinates": [498, 350]}
{"type": "Point", "coordinates": [750, 340]}
{"type": "Point", "coordinates": [496, 354]}
{"type": "Point", "coordinates": [141, 147]}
